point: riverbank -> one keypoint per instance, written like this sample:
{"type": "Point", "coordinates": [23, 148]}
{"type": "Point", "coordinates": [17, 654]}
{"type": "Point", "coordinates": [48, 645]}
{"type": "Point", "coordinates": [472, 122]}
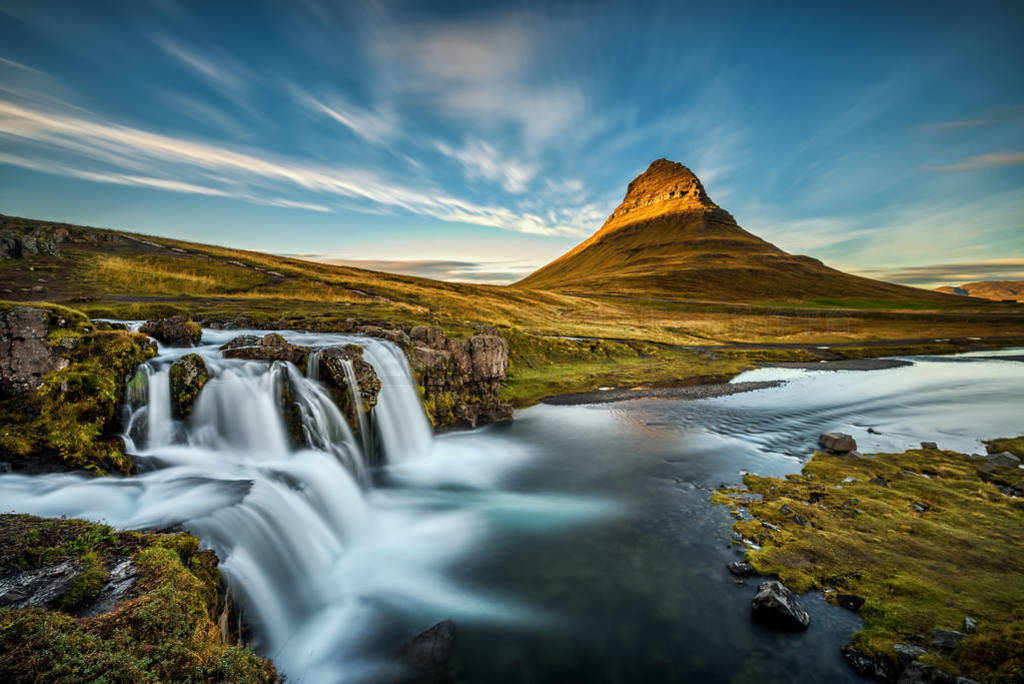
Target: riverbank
{"type": "Point", "coordinates": [924, 544]}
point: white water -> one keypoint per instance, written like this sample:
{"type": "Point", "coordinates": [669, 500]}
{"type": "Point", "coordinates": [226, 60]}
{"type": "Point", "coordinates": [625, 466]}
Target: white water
{"type": "Point", "coordinates": [306, 544]}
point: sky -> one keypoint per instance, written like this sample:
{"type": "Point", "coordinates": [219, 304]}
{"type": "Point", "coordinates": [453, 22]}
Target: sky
{"type": "Point", "coordinates": [478, 141]}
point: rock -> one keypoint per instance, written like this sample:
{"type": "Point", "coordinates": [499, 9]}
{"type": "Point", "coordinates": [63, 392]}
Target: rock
{"type": "Point", "coordinates": [906, 654]}
{"type": "Point", "coordinates": [970, 625]}
{"type": "Point", "coordinates": [929, 445]}
{"type": "Point", "coordinates": [427, 655]}
{"type": "Point", "coordinates": [837, 442]}
{"type": "Point", "coordinates": [771, 526]}
{"type": "Point", "coordinates": [175, 331]}
{"type": "Point", "coordinates": [920, 673]}
{"type": "Point", "coordinates": [1003, 459]}
{"type": "Point", "coordinates": [741, 569]}
{"type": "Point", "coordinates": [920, 506]}
{"type": "Point", "coordinates": [41, 587]}
{"type": "Point", "coordinates": [187, 377]}
{"type": "Point", "coordinates": [776, 606]}
{"type": "Point", "coordinates": [880, 666]}
{"type": "Point", "coordinates": [270, 347]}
{"type": "Point", "coordinates": [880, 481]}
{"type": "Point", "coordinates": [784, 509]}
{"type": "Point", "coordinates": [489, 355]}
{"type": "Point", "coordinates": [946, 640]}
{"type": "Point", "coordinates": [850, 601]}
{"type": "Point", "coordinates": [428, 336]}
{"type": "Point", "coordinates": [391, 334]}
{"type": "Point", "coordinates": [18, 244]}
{"type": "Point", "coordinates": [25, 354]}
{"type": "Point", "coordinates": [118, 587]}
{"type": "Point", "coordinates": [331, 363]}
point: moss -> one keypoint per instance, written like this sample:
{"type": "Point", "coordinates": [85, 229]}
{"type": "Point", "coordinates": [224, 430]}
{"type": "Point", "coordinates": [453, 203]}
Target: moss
{"type": "Point", "coordinates": [88, 583]}
{"type": "Point", "coordinates": [187, 376]}
{"type": "Point", "coordinates": [166, 631]}
{"type": "Point", "coordinates": [1014, 445]}
{"type": "Point", "coordinates": [71, 421]}
{"type": "Point", "coordinates": [918, 571]}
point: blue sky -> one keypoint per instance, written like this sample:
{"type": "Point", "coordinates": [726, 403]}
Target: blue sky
{"type": "Point", "coordinates": [477, 141]}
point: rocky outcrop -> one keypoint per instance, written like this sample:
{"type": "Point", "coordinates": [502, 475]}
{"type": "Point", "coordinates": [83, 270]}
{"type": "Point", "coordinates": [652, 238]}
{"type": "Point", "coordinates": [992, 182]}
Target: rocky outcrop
{"type": "Point", "coordinates": [776, 606]}
{"type": "Point", "coordinates": [175, 331]}
{"type": "Point", "coordinates": [187, 377]}
{"type": "Point", "coordinates": [460, 378]}
{"type": "Point", "coordinates": [331, 363]}
{"type": "Point", "coordinates": [26, 355]}
{"type": "Point", "coordinates": [270, 347]}
{"type": "Point", "coordinates": [15, 244]}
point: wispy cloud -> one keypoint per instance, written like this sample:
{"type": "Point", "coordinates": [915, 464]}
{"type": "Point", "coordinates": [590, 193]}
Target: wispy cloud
{"type": "Point", "coordinates": [214, 72]}
{"type": "Point", "coordinates": [982, 161]}
{"type": "Point", "coordinates": [370, 126]}
{"type": "Point", "coordinates": [970, 123]}
{"type": "Point", "coordinates": [248, 174]}
{"type": "Point", "coordinates": [488, 272]}
{"type": "Point", "coordinates": [953, 273]}
{"type": "Point", "coordinates": [480, 159]}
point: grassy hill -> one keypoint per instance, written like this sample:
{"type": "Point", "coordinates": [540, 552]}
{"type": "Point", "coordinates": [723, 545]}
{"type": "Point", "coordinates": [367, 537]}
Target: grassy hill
{"type": "Point", "coordinates": [998, 290]}
{"type": "Point", "coordinates": [559, 341]}
{"type": "Point", "coordinates": [668, 238]}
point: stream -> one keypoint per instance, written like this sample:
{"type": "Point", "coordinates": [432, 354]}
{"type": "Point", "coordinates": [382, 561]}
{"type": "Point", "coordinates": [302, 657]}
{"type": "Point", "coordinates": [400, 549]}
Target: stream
{"type": "Point", "coordinates": [575, 544]}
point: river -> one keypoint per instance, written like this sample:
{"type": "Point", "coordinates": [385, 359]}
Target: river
{"type": "Point", "coordinates": [576, 543]}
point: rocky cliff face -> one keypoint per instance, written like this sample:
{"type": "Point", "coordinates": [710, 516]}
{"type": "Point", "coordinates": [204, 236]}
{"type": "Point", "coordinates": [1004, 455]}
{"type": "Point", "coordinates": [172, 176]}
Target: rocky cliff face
{"type": "Point", "coordinates": [26, 355]}
{"type": "Point", "coordinates": [460, 378]}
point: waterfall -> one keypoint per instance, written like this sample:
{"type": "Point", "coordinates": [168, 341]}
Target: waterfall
{"type": "Point", "coordinates": [357, 401]}
{"type": "Point", "coordinates": [401, 423]}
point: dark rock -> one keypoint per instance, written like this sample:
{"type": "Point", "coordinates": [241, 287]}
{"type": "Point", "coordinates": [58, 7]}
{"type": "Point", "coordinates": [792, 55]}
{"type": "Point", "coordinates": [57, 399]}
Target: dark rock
{"type": "Point", "coordinates": [175, 331]}
{"type": "Point", "coordinates": [920, 506]}
{"type": "Point", "coordinates": [837, 442]}
{"type": "Point", "coordinates": [880, 481]}
{"type": "Point", "coordinates": [970, 625]}
{"type": "Point", "coordinates": [946, 639]}
{"type": "Point", "coordinates": [41, 587]}
{"type": "Point", "coordinates": [873, 431]}
{"type": "Point", "coordinates": [25, 354]}
{"type": "Point", "coordinates": [815, 497]}
{"type": "Point", "coordinates": [118, 587]}
{"type": "Point", "coordinates": [1003, 460]}
{"type": "Point", "coordinates": [18, 244]}
{"type": "Point", "coordinates": [395, 335]}
{"type": "Point", "coordinates": [920, 673]}
{"type": "Point", "coordinates": [850, 601]}
{"type": "Point", "coordinates": [930, 446]}
{"type": "Point", "coordinates": [784, 509]}
{"type": "Point", "coordinates": [427, 655]}
{"type": "Point", "coordinates": [879, 666]}
{"type": "Point", "coordinates": [741, 569]}
{"type": "Point", "coordinates": [798, 520]}
{"type": "Point", "coordinates": [188, 375]}
{"type": "Point", "coordinates": [906, 654]}
{"type": "Point", "coordinates": [270, 347]}
{"type": "Point", "coordinates": [776, 606]}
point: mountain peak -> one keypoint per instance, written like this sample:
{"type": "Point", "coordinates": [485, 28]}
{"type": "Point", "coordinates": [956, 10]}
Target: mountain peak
{"type": "Point", "coordinates": [665, 187]}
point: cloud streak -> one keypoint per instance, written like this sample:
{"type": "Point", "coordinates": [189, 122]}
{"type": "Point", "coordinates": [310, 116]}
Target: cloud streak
{"type": "Point", "coordinates": [242, 175]}
{"type": "Point", "coordinates": [981, 161]}
{"type": "Point", "coordinates": [956, 273]}
{"type": "Point", "coordinates": [493, 273]}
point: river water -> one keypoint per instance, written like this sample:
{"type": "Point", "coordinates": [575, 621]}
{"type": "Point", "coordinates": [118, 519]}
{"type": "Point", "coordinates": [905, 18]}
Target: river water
{"type": "Point", "coordinates": [575, 544]}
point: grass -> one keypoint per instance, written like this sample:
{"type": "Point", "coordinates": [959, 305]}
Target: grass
{"type": "Point", "coordinates": [166, 631]}
{"type": "Point", "coordinates": [918, 571]}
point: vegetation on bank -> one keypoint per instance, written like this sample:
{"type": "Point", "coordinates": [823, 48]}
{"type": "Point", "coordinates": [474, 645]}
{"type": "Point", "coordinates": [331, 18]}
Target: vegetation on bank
{"type": "Point", "coordinates": [926, 538]}
{"type": "Point", "coordinates": [73, 418]}
{"type": "Point", "coordinates": [165, 630]}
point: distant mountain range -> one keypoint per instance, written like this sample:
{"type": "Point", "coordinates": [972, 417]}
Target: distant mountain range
{"type": "Point", "coordinates": [668, 239]}
{"type": "Point", "coordinates": [999, 290]}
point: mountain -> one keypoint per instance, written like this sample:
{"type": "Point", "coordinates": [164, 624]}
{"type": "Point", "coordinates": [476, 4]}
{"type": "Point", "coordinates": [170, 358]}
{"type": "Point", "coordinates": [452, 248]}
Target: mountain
{"type": "Point", "coordinates": [999, 290]}
{"type": "Point", "coordinates": [668, 239]}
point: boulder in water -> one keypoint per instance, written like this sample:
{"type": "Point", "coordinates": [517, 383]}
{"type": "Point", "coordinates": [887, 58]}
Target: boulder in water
{"type": "Point", "coordinates": [741, 569]}
{"type": "Point", "coordinates": [776, 606]}
{"type": "Point", "coordinates": [187, 377]}
{"type": "Point", "coordinates": [175, 331]}
{"type": "Point", "coordinates": [270, 347]}
{"type": "Point", "coordinates": [427, 655]}
{"type": "Point", "coordinates": [837, 442]}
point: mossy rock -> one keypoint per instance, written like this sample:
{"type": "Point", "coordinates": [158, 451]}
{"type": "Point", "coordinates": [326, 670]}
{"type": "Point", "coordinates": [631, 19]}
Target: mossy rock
{"type": "Point", "coordinates": [165, 629]}
{"type": "Point", "coordinates": [188, 375]}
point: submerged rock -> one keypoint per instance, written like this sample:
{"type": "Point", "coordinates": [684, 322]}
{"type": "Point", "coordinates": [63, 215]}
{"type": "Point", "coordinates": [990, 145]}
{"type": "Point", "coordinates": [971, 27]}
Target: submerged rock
{"type": "Point", "coordinates": [776, 606]}
{"type": "Point", "coordinates": [175, 331]}
{"type": "Point", "coordinates": [187, 377]}
{"type": "Point", "coordinates": [427, 655]}
{"type": "Point", "coordinates": [270, 347]}
{"type": "Point", "coordinates": [837, 442]}
{"type": "Point", "coordinates": [25, 353]}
